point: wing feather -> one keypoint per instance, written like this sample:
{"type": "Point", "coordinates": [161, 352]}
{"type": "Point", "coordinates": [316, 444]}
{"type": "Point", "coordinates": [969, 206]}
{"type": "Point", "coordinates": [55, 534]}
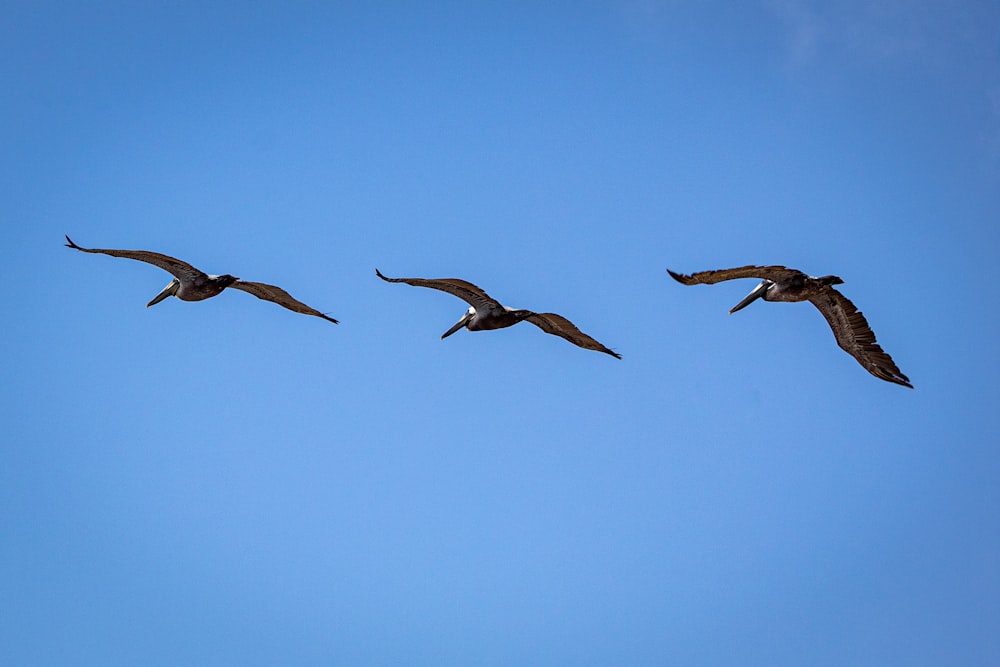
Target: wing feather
{"type": "Point", "coordinates": [855, 336]}
{"type": "Point", "coordinates": [464, 290]}
{"type": "Point", "coordinates": [774, 273]}
{"type": "Point", "coordinates": [560, 326]}
{"type": "Point", "coordinates": [279, 296]}
{"type": "Point", "coordinates": [183, 271]}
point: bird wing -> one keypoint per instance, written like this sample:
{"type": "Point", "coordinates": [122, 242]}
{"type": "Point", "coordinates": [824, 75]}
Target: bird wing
{"type": "Point", "coordinates": [183, 271]}
{"type": "Point", "coordinates": [855, 336]}
{"type": "Point", "coordinates": [560, 326]}
{"type": "Point", "coordinates": [278, 296]}
{"type": "Point", "coordinates": [773, 273]}
{"type": "Point", "coordinates": [464, 290]}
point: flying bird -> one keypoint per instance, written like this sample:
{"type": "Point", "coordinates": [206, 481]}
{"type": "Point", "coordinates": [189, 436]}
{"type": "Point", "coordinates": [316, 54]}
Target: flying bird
{"type": "Point", "coordinates": [486, 313]}
{"type": "Point", "coordinates": [190, 284]}
{"type": "Point", "coordinates": [779, 283]}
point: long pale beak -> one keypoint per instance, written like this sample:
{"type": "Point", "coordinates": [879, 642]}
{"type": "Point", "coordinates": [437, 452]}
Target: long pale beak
{"type": "Point", "coordinates": [169, 290]}
{"type": "Point", "coordinates": [757, 292]}
{"type": "Point", "coordinates": [458, 325]}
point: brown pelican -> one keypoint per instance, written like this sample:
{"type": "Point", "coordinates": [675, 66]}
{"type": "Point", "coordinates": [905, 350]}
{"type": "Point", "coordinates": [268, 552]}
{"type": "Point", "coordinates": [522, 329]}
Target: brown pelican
{"type": "Point", "coordinates": [783, 284]}
{"type": "Point", "coordinates": [486, 313]}
{"type": "Point", "coordinates": [190, 284]}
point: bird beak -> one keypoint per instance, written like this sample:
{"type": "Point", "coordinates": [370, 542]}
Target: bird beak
{"type": "Point", "coordinates": [458, 325]}
{"type": "Point", "coordinates": [169, 290]}
{"type": "Point", "coordinates": [757, 292]}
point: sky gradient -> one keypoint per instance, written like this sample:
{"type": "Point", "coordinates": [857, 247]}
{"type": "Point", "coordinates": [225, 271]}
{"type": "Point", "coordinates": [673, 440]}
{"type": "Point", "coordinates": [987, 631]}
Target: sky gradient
{"type": "Point", "coordinates": [227, 482]}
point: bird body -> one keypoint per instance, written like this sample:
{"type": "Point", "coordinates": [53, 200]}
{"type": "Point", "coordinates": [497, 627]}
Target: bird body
{"type": "Point", "coordinates": [486, 313]}
{"type": "Point", "coordinates": [190, 284]}
{"type": "Point", "coordinates": [779, 283]}
{"type": "Point", "coordinates": [197, 289]}
{"type": "Point", "coordinates": [797, 288]}
{"type": "Point", "coordinates": [495, 318]}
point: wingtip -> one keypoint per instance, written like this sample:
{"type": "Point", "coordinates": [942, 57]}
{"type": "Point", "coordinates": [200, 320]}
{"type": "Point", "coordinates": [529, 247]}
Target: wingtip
{"type": "Point", "coordinates": [894, 377]}
{"type": "Point", "coordinates": [679, 277]}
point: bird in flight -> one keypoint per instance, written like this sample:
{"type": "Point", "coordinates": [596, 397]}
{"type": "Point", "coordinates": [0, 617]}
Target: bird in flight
{"type": "Point", "coordinates": [849, 326]}
{"type": "Point", "coordinates": [486, 313]}
{"type": "Point", "coordinates": [190, 284]}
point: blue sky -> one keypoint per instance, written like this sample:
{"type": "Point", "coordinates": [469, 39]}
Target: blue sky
{"type": "Point", "coordinates": [226, 482]}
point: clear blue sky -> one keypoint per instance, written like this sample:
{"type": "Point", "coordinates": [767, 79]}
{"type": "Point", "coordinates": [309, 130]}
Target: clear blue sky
{"type": "Point", "coordinates": [227, 482]}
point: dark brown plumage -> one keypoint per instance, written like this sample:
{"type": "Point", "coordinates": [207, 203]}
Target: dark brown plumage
{"type": "Point", "coordinates": [849, 326]}
{"type": "Point", "coordinates": [190, 284]}
{"type": "Point", "coordinates": [486, 313]}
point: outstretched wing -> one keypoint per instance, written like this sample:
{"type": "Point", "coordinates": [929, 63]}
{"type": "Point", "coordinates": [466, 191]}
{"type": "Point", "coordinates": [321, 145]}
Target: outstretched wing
{"type": "Point", "coordinates": [855, 336]}
{"type": "Point", "coordinates": [278, 296]}
{"type": "Point", "coordinates": [773, 273]}
{"type": "Point", "coordinates": [183, 271]}
{"type": "Point", "coordinates": [560, 326]}
{"type": "Point", "coordinates": [464, 290]}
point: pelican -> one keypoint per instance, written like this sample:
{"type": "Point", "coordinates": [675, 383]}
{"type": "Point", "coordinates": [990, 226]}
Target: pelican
{"type": "Point", "coordinates": [190, 284]}
{"type": "Point", "coordinates": [486, 313]}
{"type": "Point", "coordinates": [779, 283]}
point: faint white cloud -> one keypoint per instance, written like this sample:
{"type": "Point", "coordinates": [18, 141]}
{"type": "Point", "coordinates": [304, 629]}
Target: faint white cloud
{"type": "Point", "coordinates": [958, 40]}
{"type": "Point", "coordinates": [804, 27]}
{"type": "Point", "coordinates": [645, 19]}
{"type": "Point", "coordinates": [921, 31]}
